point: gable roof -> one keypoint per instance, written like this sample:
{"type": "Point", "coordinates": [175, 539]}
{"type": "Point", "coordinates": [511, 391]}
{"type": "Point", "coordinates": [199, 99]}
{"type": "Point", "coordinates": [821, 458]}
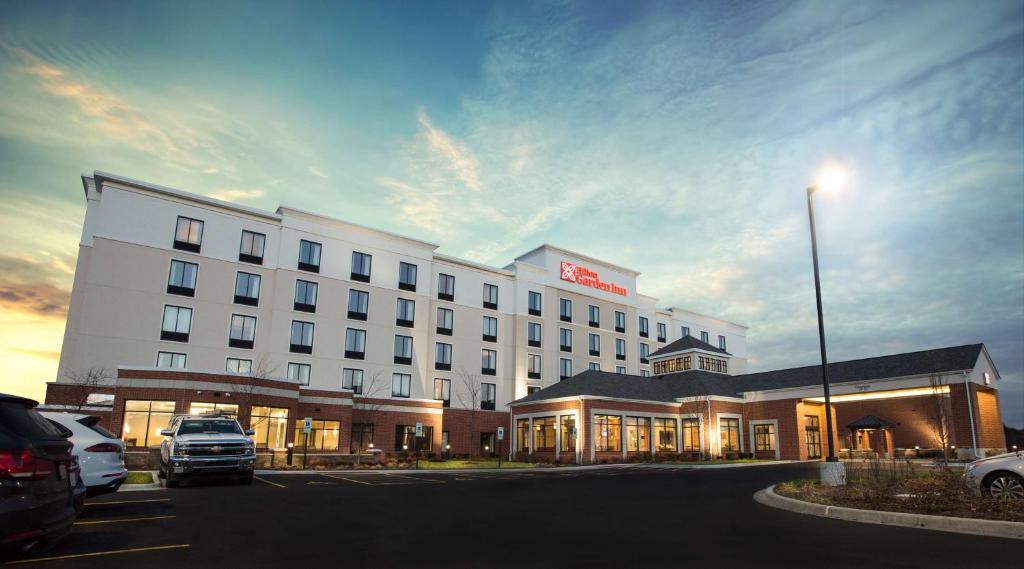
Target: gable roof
{"type": "Point", "coordinates": [688, 343]}
{"type": "Point", "coordinates": [659, 388]}
{"type": "Point", "coordinates": [870, 422]}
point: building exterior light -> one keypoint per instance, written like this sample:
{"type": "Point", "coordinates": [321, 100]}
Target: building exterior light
{"type": "Point", "coordinates": [405, 447]}
{"type": "Point", "coordinates": [290, 445]}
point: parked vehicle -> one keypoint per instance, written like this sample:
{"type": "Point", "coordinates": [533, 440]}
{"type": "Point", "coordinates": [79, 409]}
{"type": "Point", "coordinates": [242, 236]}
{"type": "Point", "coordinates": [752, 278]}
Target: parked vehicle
{"type": "Point", "coordinates": [203, 445]}
{"type": "Point", "coordinates": [38, 503]}
{"type": "Point", "coordinates": [1000, 476]}
{"type": "Point", "coordinates": [100, 452]}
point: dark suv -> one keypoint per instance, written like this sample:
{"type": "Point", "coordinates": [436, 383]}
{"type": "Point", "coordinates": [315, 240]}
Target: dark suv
{"type": "Point", "coordinates": [37, 486]}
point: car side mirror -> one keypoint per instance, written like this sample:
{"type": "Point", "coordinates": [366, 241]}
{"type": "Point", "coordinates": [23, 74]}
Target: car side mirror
{"type": "Point", "coordinates": [167, 433]}
{"type": "Point", "coordinates": [250, 432]}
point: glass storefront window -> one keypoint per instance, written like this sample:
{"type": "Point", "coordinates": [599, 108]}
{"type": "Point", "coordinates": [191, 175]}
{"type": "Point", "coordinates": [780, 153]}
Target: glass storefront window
{"type": "Point", "coordinates": [271, 426]}
{"type": "Point", "coordinates": [523, 435]}
{"type": "Point", "coordinates": [143, 421]}
{"type": "Point", "coordinates": [324, 436]}
{"type": "Point", "coordinates": [543, 434]}
{"type": "Point", "coordinates": [812, 435]}
{"type": "Point", "coordinates": [362, 436]}
{"type": "Point", "coordinates": [691, 435]}
{"type": "Point", "coordinates": [729, 430]}
{"type": "Point", "coordinates": [607, 433]}
{"type": "Point", "coordinates": [764, 437]}
{"type": "Point", "coordinates": [405, 436]}
{"type": "Point", "coordinates": [568, 433]}
{"type": "Point", "coordinates": [665, 435]}
{"type": "Point", "coordinates": [637, 434]}
{"type": "Point", "coordinates": [198, 408]}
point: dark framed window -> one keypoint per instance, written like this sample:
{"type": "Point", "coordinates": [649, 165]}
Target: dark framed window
{"type": "Point", "coordinates": [533, 334]}
{"type": "Point", "coordinates": [491, 296]}
{"type": "Point", "coordinates": [400, 384]}
{"type": "Point", "coordinates": [535, 303]}
{"type": "Point", "coordinates": [565, 340]}
{"type": "Point", "coordinates": [691, 435]}
{"type": "Point", "coordinates": [352, 379]}
{"type": "Point", "coordinates": [445, 287]}
{"type": "Point", "coordinates": [596, 366]}
{"type": "Point", "coordinates": [645, 351]}
{"type": "Point", "coordinates": [607, 433]}
{"type": "Point", "coordinates": [490, 329]}
{"type": "Point", "coordinates": [172, 360]}
{"type": "Point", "coordinates": [721, 344]}
{"type": "Point", "coordinates": [620, 321]}
{"type": "Point", "coordinates": [533, 366]}
{"type": "Point", "coordinates": [176, 324]}
{"type": "Point", "coordinates": [620, 369]}
{"type": "Point", "coordinates": [247, 288]}
{"type": "Point", "coordinates": [301, 341]}
{"type": "Point", "coordinates": [355, 344]}
{"type": "Point", "coordinates": [704, 337]}
{"type": "Point", "coordinates": [182, 278]}
{"type": "Point", "coordinates": [644, 327]}
{"type": "Point", "coordinates": [243, 331]}
{"type": "Point", "coordinates": [812, 435]}
{"type": "Point", "coordinates": [488, 396]}
{"type": "Point", "coordinates": [594, 316]}
{"type": "Point", "coordinates": [403, 350]}
{"type": "Point", "coordinates": [729, 432]}
{"type": "Point", "coordinates": [662, 332]}
{"type": "Point", "coordinates": [238, 365]}
{"type": "Point", "coordinates": [684, 331]}
{"type": "Point", "coordinates": [568, 426]}
{"type": "Point", "coordinates": [564, 368]}
{"type": "Point", "coordinates": [361, 263]}
{"type": "Point", "coordinates": [305, 295]}
{"type": "Point", "coordinates": [362, 436]}
{"type": "Point", "coordinates": [531, 389]}
{"type": "Point", "coordinates": [406, 439]}
{"type": "Point", "coordinates": [250, 250]}
{"type": "Point", "coordinates": [620, 349]}
{"type": "Point", "coordinates": [405, 313]}
{"type": "Point", "coordinates": [407, 276]}
{"type": "Point", "coordinates": [637, 432]}
{"type": "Point", "coordinates": [565, 310]}
{"type": "Point", "coordinates": [445, 316]}
{"type": "Point", "coordinates": [489, 362]}
{"type": "Point", "coordinates": [188, 234]}
{"type": "Point", "coordinates": [764, 437]}
{"type": "Point", "coordinates": [523, 435]}
{"type": "Point", "coordinates": [645, 373]}
{"type": "Point", "coordinates": [309, 256]}
{"type": "Point", "coordinates": [358, 304]}
{"type": "Point", "coordinates": [299, 372]}
{"type": "Point", "coordinates": [594, 343]}
{"type": "Point", "coordinates": [443, 356]}
{"type": "Point", "coordinates": [543, 434]}
{"type": "Point", "coordinates": [443, 391]}
{"type": "Point", "coordinates": [325, 435]}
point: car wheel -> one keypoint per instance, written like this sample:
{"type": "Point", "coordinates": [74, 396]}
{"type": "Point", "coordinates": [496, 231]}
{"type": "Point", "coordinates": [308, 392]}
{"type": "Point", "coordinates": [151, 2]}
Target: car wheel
{"type": "Point", "coordinates": [1005, 486]}
{"type": "Point", "coordinates": [245, 480]}
{"type": "Point", "coordinates": [170, 481]}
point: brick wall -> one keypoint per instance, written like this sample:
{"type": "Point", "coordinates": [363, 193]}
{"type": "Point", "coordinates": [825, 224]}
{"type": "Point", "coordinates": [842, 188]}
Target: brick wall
{"type": "Point", "coordinates": [990, 433]}
{"type": "Point", "coordinates": [913, 417]}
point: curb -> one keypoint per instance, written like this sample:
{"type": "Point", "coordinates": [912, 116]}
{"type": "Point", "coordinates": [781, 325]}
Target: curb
{"type": "Point", "coordinates": [990, 528]}
{"type": "Point", "coordinates": [142, 487]}
{"type": "Point", "coordinates": [574, 468]}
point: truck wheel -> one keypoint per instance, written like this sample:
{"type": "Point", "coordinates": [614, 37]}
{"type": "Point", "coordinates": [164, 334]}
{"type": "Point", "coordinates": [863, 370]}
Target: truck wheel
{"type": "Point", "coordinates": [170, 481]}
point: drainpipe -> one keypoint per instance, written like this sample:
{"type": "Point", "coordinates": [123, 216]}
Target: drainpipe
{"type": "Point", "coordinates": [707, 428]}
{"type": "Point", "coordinates": [970, 413]}
{"type": "Point", "coordinates": [511, 430]}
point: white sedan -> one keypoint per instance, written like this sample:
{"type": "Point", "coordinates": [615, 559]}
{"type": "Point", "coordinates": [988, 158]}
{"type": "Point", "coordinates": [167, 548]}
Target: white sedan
{"type": "Point", "coordinates": [1000, 476]}
{"type": "Point", "coordinates": [100, 453]}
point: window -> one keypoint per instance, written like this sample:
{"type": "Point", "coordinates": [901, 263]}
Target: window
{"type": "Point", "coordinates": [400, 383]}
{"type": "Point", "coordinates": [691, 435]}
{"type": "Point", "coordinates": [305, 296]}
{"type": "Point", "coordinates": [143, 421]}
{"type": "Point", "coordinates": [324, 436]}
{"type": "Point", "coordinates": [568, 434]}
{"type": "Point", "coordinates": [247, 289]}
{"type": "Point", "coordinates": [535, 303]}
{"type": "Point", "coordinates": [490, 329]}
{"type": "Point", "coordinates": [620, 349]}
{"type": "Point", "coordinates": [403, 350]}
{"type": "Point", "coordinates": [270, 424]}
{"type": "Point", "coordinates": [352, 379]}
{"type": "Point", "coordinates": [444, 321]}
{"type": "Point", "coordinates": [309, 256]}
{"type": "Point", "coordinates": [662, 332]}
{"type": "Point", "coordinates": [684, 331]}
{"type": "Point", "coordinates": [522, 435]}
{"type": "Point", "coordinates": [620, 369]}
{"type": "Point", "coordinates": [237, 365]}
{"type": "Point", "coordinates": [644, 330]}
{"type": "Point", "coordinates": [299, 373]}
{"type": "Point", "coordinates": [443, 391]}
{"type": "Point", "coordinates": [637, 432]}
{"type": "Point", "coordinates": [362, 436]}
{"type": "Point", "coordinates": [596, 366]}
{"type": "Point", "coordinates": [729, 432]}
{"type": "Point", "coordinates": [704, 337]}
{"type": "Point", "coordinates": [607, 433]}
{"type": "Point", "coordinates": [361, 266]}
{"type": "Point", "coordinates": [533, 334]}
{"type": "Point", "coordinates": [358, 304]}
{"type": "Point", "coordinates": [188, 236]}
{"type": "Point", "coordinates": [533, 366]}
{"type": "Point", "coordinates": [544, 434]}
{"type": "Point", "coordinates": [645, 351]}
{"type": "Point", "coordinates": [595, 344]}
{"type": "Point", "coordinates": [721, 343]}
{"type": "Point", "coordinates": [664, 435]}
{"type": "Point", "coordinates": [407, 276]}
{"type": "Point", "coordinates": [406, 439]}
{"type": "Point", "coordinates": [564, 368]}
{"type": "Point", "coordinates": [243, 331]}
{"type": "Point", "coordinates": [531, 389]}
{"type": "Point", "coordinates": [565, 339]}
{"type": "Point", "coordinates": [251, 248]}
{"type": "Point", "coordinates": [712, 364]}
{"type": "Point", "coordinates": [302, 337]}
{"type": "Point", "coordinates": [170, 359]}
{"type": "Point", "coordinates": [764, 437]}
{"type": "Point", "coordinates": [488, 362]}
{"type": "Point", "coordinates": [645, 373]}
{"type": "Point", "coordinates": [355, 343]}
{"type": "Point", "coordinates": [445, 287]}
{"type": "Point", "coordinates": [199, 408]}
{"type": "Point", "coordinates": [488, 393]}
{"type": "Point", "coordinates": [182, 278]}
{"type": "Point", "coordinates": [177, 323]}
{"type": "Point", "coordinates": [443, 356]}
{"type": "Point", "coordinates": [565, 310]}
{"type": "Point", "coordinates": [812, 435]}
{"type": "Point", "coordinates": [490, 296]}
{"type": "Point", "coordinates": [620, 321]}
{"type": "Point", "coordinates": [405, 313]}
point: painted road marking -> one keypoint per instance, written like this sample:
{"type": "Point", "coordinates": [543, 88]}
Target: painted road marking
{"type": "Point", "coordinates": [98, 553]}
{"type": "Point", "coordinates": [347, 479]}
{"type": "Point", "coordinates": [128, 502]}
{"type": "Point", "coordinates": [269, 482]}
{"type": "Point", "coordinates": [123, 520]}
{"type": "Point", "coordinates": [416, 478]}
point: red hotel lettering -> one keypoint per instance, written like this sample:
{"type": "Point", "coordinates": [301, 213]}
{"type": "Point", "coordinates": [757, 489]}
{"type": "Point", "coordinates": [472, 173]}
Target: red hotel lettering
{"type": "Point", "coordinates": [583, 276]}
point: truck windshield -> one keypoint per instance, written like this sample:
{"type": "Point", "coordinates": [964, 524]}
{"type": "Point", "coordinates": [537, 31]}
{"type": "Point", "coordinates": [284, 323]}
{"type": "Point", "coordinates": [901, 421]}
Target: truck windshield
{"type": "Point", "coordinates": [197, 426]}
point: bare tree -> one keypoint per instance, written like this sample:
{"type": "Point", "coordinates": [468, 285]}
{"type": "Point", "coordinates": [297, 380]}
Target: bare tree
{"type": "Point", "coordinates": [368, 401]}
{"type": "Point", "coordinates": [698, 404]}
{"type": "Point", "coordinates": [86, 382]}
{"type": "Point", "coordinates": [249, 393]}
{"type": "Point", "coordinates": [939, 414]}
{"type": "Point", "coordinates": [469, 397]}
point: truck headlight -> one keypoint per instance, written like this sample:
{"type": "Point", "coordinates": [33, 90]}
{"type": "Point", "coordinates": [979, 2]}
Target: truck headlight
{"type": "Point", "coordinates": [179, 449]}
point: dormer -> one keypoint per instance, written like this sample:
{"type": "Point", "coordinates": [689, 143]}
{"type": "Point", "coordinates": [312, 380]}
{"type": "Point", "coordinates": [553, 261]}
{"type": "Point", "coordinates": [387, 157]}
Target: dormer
{"type": "Point", "coordinates": [690, 353]}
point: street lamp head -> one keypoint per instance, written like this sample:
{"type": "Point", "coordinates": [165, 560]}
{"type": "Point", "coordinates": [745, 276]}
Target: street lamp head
{"type": "Point", "coordinates": [831, 178]}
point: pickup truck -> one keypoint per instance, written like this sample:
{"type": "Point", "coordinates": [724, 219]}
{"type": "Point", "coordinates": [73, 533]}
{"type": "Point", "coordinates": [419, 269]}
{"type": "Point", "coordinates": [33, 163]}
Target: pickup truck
{"type": "Point", "coordinates": [198, 445]}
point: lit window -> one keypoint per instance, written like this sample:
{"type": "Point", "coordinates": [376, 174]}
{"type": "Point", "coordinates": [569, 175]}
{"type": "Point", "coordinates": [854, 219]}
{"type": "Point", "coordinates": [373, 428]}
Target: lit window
{"type": "Point", "coordinates": [607, 433]}
{"type": "Point", "coordinates": [270, 424]}
{"type": "Point", "coordinates": [764, 437]}
{"type": "Point", "coordinates": [325, 435]}
{"type": "Point", "coordinates": [543, 434]}
{"type": "Point", "coordinates": [143, 421]}
{"type": "Point", "coordinates": [637, 429]}
{"type": "Point", "coordinates": [729, 432]}
{"type": "Point", "coordinates": [664, 435]}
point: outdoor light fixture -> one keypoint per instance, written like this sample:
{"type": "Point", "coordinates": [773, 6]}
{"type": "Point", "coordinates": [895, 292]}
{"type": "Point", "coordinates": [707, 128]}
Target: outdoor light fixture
{"type": "Point", "coordinates": [290, 445]}
{"type": "Point", "coordinates": [447, 447]}
{"type": "Point", "coordinates": [405, 447]}
{"type": "Point", "coordinates": [370, 445]}
{"type": "Point", "coordinates": [487, 447]}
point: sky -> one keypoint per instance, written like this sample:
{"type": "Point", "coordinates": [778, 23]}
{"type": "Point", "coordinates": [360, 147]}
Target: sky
{"type": "Point", "coordinates": [674, 138]}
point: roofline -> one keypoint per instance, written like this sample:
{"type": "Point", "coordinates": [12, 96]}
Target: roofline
{"type": "Point", "coordinates": [473, 264]}
{"type": "Point", "coordinates": [633, 272]}
{"type": "Point", "coordinates": [673, 309]}
{"type": "Point", "coordinates": [688, 350]}
{"type": "Point", "coordinates": [870, 358]}
{"type": "Point", "coordinates": [337, 220]}
{"type": "Point", "coordinates": [565, 398]}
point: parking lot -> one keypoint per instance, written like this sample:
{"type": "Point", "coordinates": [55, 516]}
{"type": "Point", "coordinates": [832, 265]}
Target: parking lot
{"type": "Point", "coordinates": [619, 515]}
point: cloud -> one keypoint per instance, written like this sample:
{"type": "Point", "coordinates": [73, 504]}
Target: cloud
{"type": "Point", "coordinates": [40, 299]}
{"type": "Point", "coordinates": [238, 194]}
{"type": "Point", "coordinates": [316, 172]}
{"type": "Point", "coordinates": [451, 153]}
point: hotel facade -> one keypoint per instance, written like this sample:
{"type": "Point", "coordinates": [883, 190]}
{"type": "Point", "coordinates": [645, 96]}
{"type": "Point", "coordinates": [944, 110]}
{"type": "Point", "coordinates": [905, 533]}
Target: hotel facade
{"type": "Point", "coordinates": [182, 303]}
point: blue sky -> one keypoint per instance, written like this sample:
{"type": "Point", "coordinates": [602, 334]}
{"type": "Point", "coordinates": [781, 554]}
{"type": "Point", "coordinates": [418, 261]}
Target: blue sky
{"type": "Point", "coordinates": [675, 138]}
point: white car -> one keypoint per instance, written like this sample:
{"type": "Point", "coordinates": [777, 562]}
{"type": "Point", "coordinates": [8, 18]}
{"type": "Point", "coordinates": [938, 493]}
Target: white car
{"type": "Point", "coordinates": [100, 453]}
{"type": "Point", "coordinates": [1000, 476]}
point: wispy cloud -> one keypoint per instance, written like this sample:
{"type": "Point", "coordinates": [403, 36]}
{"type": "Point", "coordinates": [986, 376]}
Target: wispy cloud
{"type": "Point", "coordinates": [316, 172]}
{"type": "Point", "coordinates": [452, 154]}
{"type": "Point", "coordinates": [238, 194]}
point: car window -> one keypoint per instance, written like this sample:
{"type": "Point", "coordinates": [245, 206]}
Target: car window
{"type": "Point", "coordinates": [197, 426]}
{"type": "Point", "coordinates": [28, 423]}
{"type": "Point", "coordinates": [64, 431]}
{"type": "Point", "coordinates": [93, 422]}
